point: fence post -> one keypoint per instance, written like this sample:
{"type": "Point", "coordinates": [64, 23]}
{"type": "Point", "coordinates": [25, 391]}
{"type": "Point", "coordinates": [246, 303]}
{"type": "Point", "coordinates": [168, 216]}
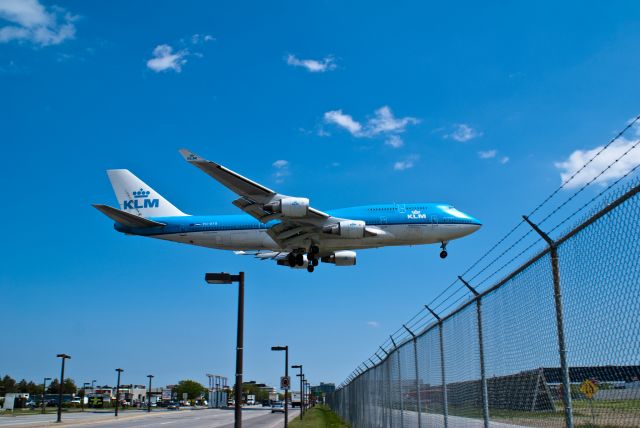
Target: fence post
{"type": "Point", "coordinates": [395, 349]}
{"type": "Point", "coordinates": [483, 378]}
{"type": "Point", "coordinates": [445, 398]}
{"type": "Point", "coordinates": [557, 293]}
{"type": "Point", "coordinates": [384, 401]}
{"type": "Point", "coordinates": [415, 357]}
{"type": "Point", "coordinates": [389, 402]}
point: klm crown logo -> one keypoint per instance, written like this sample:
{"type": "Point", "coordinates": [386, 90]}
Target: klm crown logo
{"type": "Point", "coordinates": [192, 157]}
{"type": "Point", "coordinates": [141, 194]}
{"type": "Point", "coordinates": [416, 215]}
{"type": "Point", "coordinates": [140, 200]}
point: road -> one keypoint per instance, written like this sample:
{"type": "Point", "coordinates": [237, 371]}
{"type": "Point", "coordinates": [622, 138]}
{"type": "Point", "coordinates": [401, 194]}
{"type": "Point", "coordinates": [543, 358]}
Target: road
{"type": "Point", "coordinates": [256, 417]}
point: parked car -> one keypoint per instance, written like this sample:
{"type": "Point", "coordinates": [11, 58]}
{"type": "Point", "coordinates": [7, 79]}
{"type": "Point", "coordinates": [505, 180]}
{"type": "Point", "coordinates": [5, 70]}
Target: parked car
{"type": "Point", "coordinates": [266, 403]}
{"type": "Point", "coordinates": [173, 406]}
{"type": "Point", "coordinates": [278, 406]}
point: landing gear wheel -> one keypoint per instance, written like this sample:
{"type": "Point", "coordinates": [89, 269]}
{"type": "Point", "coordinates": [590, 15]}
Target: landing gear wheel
{"type": "Point", "coordinates": [299, 259]}
{"type": "Point", "coordinates": [443, 254]}
{"type": "Point", "coordinates": [291, 259]}
{"type": "Point", "coordinates": [314, 262]}
{"type": "Point", "coordinates": [310, 268]}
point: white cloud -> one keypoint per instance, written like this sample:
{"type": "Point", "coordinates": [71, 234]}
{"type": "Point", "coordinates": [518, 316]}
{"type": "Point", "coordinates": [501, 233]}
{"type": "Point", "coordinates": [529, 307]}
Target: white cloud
{"type": "Point", "coordinates": [202, 38]}
{"type": "Point", "coordinates": [487, 154]}
{"type": "Point", "coordinates": [312, 65]}
{"type": "Point", "coordinates": [405, 164]}
{"type": "Point", "coordinates": [578, 158]}
{"type": "Point", "coordinates": [32, 22]}
{"type": "Point", "coordinates": [383, 123]}
{"type": "Point", "coordinates": [374, 324]}
{"type": "Point", "coordinates": [504, 159]}
{"type": "Point", "coordinates": [165, 59]}
{"type": "Point", "coordinates": [282, 170]}
{"type": "Point", "coordinates": [394, 141]}
{"type": "Point", "coordinates": [345, 121]}
{"type": "Point", "coordinates": [463, 133]}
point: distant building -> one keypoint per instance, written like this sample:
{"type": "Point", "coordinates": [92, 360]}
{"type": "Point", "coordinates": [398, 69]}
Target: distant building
{"type": "Point", "coordinates": [323, 388]}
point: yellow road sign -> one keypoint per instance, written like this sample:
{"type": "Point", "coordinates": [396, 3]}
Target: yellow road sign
{"type": "Point", "coordinates": [588, 388]}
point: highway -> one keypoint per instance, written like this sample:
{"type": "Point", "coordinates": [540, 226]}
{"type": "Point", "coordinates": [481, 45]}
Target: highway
{"type": "Point", "coordinates": [256, 417]}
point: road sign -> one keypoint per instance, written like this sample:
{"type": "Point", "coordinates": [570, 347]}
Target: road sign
{"type": "Point", "coordinates": [588, 388]}
{"type": "Point", "coordinates": [285, 382]}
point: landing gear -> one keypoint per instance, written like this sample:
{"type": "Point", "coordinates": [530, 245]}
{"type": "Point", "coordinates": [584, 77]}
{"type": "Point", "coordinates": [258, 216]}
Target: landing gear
{"type": "Point", "coordinates": [443, 253]}
{"type": "Point", "coordinates": [300, 259]}
{"type": "Point", "coordinates": [312, 256]}
{"type": "Point", "coordinates": [310, 268]}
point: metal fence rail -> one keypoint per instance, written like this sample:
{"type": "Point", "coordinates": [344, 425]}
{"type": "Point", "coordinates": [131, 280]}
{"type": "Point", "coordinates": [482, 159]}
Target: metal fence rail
{"type": "Point", "coordinates": [554, 343]}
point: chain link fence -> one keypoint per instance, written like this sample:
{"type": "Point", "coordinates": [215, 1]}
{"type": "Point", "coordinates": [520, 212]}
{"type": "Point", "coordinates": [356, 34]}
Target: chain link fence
{"type": "Point", "coordinates": [555, 343]}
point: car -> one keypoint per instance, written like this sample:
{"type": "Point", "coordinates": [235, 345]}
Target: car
{"type": "Point", "coordinates": [173, 406]}
{"type": "Point", "coordinates": [266, 403]}
{"type": "Point", "coordinates": [277, 407]}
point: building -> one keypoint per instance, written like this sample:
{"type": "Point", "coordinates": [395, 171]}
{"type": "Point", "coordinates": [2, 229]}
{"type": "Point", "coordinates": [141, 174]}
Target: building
{"type": "Point", "coordinates": [323, 388]}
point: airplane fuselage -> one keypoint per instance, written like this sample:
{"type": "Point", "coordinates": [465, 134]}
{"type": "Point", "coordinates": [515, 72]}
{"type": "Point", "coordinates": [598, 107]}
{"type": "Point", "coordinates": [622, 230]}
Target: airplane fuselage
{"type": "Point", "coordinates": [401, 224]}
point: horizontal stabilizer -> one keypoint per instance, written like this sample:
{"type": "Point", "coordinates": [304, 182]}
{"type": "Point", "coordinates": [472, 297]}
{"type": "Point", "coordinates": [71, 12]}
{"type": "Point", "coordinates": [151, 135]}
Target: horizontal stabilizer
{"type": "Point", "coordinates": [125, 218]}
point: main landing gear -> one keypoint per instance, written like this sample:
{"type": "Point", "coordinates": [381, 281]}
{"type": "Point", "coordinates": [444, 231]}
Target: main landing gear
{"type": "Point", "coordinates": [313, 257]}
{"type": "Point", "coordinates": [443, 253]}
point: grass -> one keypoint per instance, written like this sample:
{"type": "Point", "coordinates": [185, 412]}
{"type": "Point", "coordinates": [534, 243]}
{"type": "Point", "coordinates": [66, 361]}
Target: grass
{"type": "Point", "coordinates": [318, 417]}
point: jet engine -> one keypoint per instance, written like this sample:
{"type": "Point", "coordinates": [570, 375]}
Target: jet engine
{"type": "Point", "coordinates": [347, 229]}
{"type": "Point", "coordinates": [341, 258]}
{"type": "Point", "coordinates": [289, 207]}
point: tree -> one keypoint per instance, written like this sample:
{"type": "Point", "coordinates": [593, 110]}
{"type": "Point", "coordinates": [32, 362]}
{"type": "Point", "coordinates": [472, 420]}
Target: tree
{"type": "Point", "coordinates": [22, 386]}
{"type": "Point", "coordinates": [7, 384]}
{"type": "Point", "coordinates": [191, 387]}
{"type": "Point", "coordinates": [69, 386]}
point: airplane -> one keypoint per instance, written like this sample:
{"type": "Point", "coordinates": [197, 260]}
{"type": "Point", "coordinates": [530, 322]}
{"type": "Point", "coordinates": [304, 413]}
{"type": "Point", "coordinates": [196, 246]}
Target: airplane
{"type": "Point", "coordinates": [278, 227]}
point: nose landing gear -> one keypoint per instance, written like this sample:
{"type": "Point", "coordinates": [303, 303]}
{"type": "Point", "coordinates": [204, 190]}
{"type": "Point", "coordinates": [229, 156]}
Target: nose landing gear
{"type": "Point", "coordinates": [443, 253]}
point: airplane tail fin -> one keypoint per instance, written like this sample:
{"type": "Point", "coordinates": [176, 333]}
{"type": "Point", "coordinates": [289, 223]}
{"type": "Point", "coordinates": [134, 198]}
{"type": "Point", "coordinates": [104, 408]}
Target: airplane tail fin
{"type": "Point", "coordinates": [137, 198]}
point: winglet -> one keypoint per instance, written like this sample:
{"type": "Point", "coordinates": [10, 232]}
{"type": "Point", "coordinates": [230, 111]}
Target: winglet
{"type": "Point", "coordinates": [189, 156]}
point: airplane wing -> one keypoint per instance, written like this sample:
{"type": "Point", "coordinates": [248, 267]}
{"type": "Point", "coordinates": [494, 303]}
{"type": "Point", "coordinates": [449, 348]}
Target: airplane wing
{"type": "Point", "coordinates": [254, 197]}
{"type": "Point", "coordinates": [299, 222]}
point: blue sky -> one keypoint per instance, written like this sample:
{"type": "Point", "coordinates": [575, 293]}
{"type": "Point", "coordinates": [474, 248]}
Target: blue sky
{"type": "Point", "coordinates": [483, 106]}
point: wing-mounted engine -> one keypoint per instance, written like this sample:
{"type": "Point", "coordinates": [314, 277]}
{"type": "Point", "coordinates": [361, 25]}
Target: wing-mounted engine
{"type": "Point", "coordinates": [341, 258]}
{"type": "Point", "coordinates": [289, 207]}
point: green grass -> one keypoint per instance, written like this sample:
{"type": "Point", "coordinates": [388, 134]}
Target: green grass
{"type": "Point", "coordinates": [318, 417]}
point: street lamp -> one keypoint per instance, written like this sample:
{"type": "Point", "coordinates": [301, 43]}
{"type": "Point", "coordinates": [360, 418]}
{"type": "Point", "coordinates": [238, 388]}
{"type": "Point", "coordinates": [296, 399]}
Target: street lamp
{"type": "Point", "coordinates": [118, 390]}
{"type": "Point", "coordinates": [150, 376]}
{"type": "Point", "coordinates": [63, 357]}
{"type": "Point", "coordinates": [226, 278]}
{"type": "Point", "coordinates": [44, 391]}
{"type": "Point", "coordinates": [301, 376]}
{"type": "Point", "coordinates": [286, 375]}
{"type": "Point", "coordinates": [93, 382]}
{"type": "Point", "coordinates": [84, 394]}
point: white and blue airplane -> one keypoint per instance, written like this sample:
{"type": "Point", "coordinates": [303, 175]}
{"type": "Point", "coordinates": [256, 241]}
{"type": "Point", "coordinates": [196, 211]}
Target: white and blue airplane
{"type": "Point", "coordinates": [280, 227]}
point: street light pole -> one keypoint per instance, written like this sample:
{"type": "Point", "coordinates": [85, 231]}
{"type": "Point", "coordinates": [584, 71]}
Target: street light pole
{"type": "Point", "coordinates": [118, 391]}
{"type": "Point", "coordinates": [44, 392]}
{"type": "Point", "coordinates": [301, 376]}
{"type": "Point", "coordinates": [286, 375]}
{"type": "Point", "coordinates": [64, 357]}
{"type": "Point", "coordinates": [150, 376]}
{"type": "Point", "coordinates": [225, 278]}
